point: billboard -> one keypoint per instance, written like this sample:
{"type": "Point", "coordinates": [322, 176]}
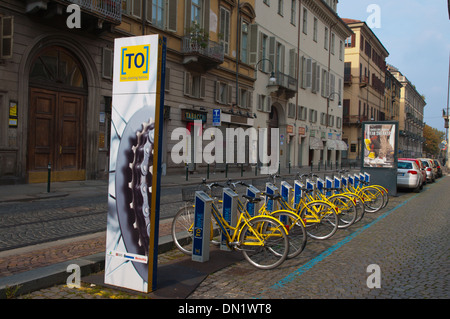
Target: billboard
{"type": "Point", "coordinates": [134, 176]}
{"type": "Point", "coordinates": [379, 144]}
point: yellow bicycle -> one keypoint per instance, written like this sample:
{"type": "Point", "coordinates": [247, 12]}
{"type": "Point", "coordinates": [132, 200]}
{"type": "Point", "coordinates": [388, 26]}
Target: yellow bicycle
{"type": "Point", "coordinates": [263, 240]}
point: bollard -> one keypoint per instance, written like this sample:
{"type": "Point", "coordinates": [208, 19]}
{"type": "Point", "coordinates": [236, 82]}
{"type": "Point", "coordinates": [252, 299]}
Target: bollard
{"type": "Point", "coordinates": [207, 172]}
{"type": "Point", "coordinates": [49, 175]}
{"type": "Point", "coordinates": [289, 167]}
{"type": "Point", "coordinates": [187, 173]}
{"type": "Point", "coordinates": [226, 170]}
{"type": "Point", "coordinates": [242, 170]}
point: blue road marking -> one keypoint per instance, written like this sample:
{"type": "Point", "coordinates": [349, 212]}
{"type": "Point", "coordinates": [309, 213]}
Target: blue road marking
{"type": "Point", "coordinates": [297, 273]}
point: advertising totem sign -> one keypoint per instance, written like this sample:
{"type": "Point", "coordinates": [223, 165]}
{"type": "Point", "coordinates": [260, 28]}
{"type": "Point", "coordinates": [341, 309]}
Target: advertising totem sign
{"type": "Point", "coordinates": [379, 155]}
{"type": "Point", "coordinates": [134, 176]}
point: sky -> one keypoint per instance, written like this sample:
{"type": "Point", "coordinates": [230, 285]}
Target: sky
{"type": "Point", "coordinates": [416, 33]}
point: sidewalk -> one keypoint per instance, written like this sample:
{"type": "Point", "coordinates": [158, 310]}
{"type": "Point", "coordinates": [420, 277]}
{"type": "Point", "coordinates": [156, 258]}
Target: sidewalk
{"type": "Point", "coordinates": [40, 266]}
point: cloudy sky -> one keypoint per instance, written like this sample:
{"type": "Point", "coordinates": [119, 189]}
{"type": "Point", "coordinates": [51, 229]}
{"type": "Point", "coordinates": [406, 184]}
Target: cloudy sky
{"type": "Point", "coordinates": [417, 35]}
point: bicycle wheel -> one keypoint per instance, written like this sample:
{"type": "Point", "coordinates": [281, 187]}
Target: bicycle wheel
{"type": "Point", "coordinates": [264, 242]}
{"type": "Point", "coordinates": [360, 207]}
{"type": "Point", "coordinates": [373, 199]}
{"type": "Point", "coordinates": [320, 219]}
{"type": "Point", "coordinates": [182, 229]}
{"type": "Point", "coordinates": [347, 212]}
{"type": "Point", "coordinates": [295, 229]}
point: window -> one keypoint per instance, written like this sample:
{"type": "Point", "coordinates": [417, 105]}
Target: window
{"type": "Point", "coordinates": [325, 45]}
{"type": "Point", "coordinates": [353, 148]}
{"type": "Point", "coordinates": [350, 41]}
{"type": "Point", "coordinates": [332, 43]}
{"type": "Point", "coordinates": [223, 93]}
{"type": "Point", "coordinates": [331, 120]}
{"type": "Point", "coordinates": [263, 53]}
{"type": "Point", "coordinates": [280, 7]}
{"type": "Point", "coordinates": [302, 113]}
{"type": "Point", "coordinates": [315, 29]}
{"type": "Point", "coordinates": [244, 42]}
{"type": "Point", "coordinates": [291, 110]}
{"type": "Point", "coordinates": [306, 72]}
{"type": "Point", "coordinates": [323, 118]}
{"type": "Point", "coordinates": [341, 50]}
{"type": "Point", "coordinates": [244, 98]}
{"type": "Point", "coordinates": [225, 29]}
{"type": "Point", "coordinates": [293, 11]}
{"type": "Point", "coordinates": [325, 84]}
{"type": "Point", "coordinates": [305, 21]}
{"type": "Point", "coordinates": [313, 116]}
{"type": "Point", "coordinates": [196, 12]}
{"type": "Point", "coordinates": [6, 36]}
{"type": "Point", "coordinates": [194, 85]}
{"type": "Point", "coordinates": [264, 103]}
{"type": "Point", "coordinates": [280, 58]}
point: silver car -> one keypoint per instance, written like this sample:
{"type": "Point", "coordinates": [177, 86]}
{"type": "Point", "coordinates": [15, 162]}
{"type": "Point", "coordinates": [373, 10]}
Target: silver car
{"type": "Point", "coordinates": [409, 175]}
{"type": "Point", "coordinates": [429, 168]}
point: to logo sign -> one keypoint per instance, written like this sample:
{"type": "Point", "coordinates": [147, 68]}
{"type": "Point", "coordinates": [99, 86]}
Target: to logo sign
{"type": "Point", "coordinates": [135, 63]}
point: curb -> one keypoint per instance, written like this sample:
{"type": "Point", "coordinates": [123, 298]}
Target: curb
{"type": "Point", "coordinates": [45, 277]}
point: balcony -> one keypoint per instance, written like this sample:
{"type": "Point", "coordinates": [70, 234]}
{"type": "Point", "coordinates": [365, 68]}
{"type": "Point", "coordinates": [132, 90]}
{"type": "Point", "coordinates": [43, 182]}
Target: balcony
{"type": "Point", "coordinates": [348, 79]}
{"type": "Point", "coordinates": [354, 119]}
{"type": "Point", "coordinates": [202, 53]}
{"type": "Point", "coordinates": [285, 84]}
{"type": "Point", "coordinates": [363, 81]}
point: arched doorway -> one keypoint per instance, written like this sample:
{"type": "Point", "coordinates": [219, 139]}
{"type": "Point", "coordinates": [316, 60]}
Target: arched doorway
{"type": "Point", "coordinates": [56, 130]}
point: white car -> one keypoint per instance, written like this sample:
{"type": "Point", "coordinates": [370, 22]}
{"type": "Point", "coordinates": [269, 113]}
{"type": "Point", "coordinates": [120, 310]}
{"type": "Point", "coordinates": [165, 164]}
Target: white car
{"type": "Point", "coordinates": [409, 175]}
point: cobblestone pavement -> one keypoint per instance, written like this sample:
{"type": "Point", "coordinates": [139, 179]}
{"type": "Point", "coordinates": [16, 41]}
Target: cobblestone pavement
{"type": "Point", "coordinates": [408, 240]}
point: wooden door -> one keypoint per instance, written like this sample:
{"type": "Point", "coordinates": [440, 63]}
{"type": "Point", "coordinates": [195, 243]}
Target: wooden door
{"type": "Point", "coordinates": [55, 135]}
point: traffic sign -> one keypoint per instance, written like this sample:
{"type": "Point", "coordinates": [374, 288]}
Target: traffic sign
{"type": "Point", "coordinates": [216, 117]}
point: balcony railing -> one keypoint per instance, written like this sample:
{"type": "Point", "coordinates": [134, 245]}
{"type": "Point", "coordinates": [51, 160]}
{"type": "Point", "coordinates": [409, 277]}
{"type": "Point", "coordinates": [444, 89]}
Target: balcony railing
{"type": "Point", "coordinates": [354, 119]}
{"type": "Point", "coordinates": [363, 81]}
{"type": "Point", "coordinates": [347, 79]}
{"type": "Point", "coordinates": [205, 48]}
{"type": "Point", "coordinates": [286, 82]}
{"type": "Point", "coordinates": [110, 10]}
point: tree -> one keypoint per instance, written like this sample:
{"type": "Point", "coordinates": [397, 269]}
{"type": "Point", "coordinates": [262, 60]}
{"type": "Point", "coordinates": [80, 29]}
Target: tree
{"type": "Point", "coordinates": [433, 138]}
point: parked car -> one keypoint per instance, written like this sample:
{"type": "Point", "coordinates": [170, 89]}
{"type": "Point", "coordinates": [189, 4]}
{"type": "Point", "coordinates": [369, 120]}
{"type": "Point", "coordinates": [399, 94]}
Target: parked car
{"type": "Point", "coordinates": [439, 167]}
{"type": "Point", "coordinates": [409, 175]}
{"type": "Point", "coordinates": [430, 169]}
{"type": "Point", "coordinates": [422, 168]}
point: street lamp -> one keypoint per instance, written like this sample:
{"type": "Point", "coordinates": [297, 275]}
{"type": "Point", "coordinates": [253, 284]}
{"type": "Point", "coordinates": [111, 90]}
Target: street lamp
{"type": "Point", "coordinates": [272, 79]}
{"type": "Point", "coordinates": [328, 103]}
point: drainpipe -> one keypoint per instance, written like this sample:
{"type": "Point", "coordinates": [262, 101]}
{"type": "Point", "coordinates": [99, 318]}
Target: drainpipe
{"type": "Point", "coordinates": [297, 145]}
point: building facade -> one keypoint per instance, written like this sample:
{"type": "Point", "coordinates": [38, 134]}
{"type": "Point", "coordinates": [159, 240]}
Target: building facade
{"type": "Point", "coordinates": [411, 124]}
{"type": "Point", "coordinates": [55, 87]}
{"type": "Point", "coordinates": [364, 84]}
{"type": "Point", "coordinates": [56, 81]}
{"type": "Point", "coordinates": [206, 69]}
{"type": "Point", "coordinates": [302, 43]}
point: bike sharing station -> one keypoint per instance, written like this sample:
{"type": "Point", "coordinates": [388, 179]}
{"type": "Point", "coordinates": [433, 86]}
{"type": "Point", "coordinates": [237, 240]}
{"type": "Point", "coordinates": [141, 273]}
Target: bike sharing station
{"type": "Point", "coordinates": [135, 172]}
{"type": "Point", "coordinates": [380, 153]}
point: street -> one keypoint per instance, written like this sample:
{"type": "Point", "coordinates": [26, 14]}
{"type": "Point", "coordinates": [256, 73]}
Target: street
{"type": "Point", "coordinates": [408, 241]}
{"type": "Point", "coordinates": [399, 252]}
